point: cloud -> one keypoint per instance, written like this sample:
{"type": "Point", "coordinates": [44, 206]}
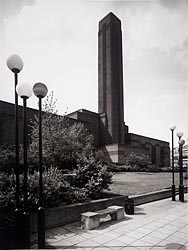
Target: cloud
{"type": "Point", "coordinates": [155, 26]}
{"type": "Point", "coordinates": [58, 43]}
{"type": "Point", "coordinates": [166, 99]}
{"type": "Point", "coordinates": [173, 4]}
{"type": "Point", "coordinates": [155, 71]}
{"type": "Point", "coordinates": [181, 52]}
{"type": "Point", "coordinates": [10, 8]}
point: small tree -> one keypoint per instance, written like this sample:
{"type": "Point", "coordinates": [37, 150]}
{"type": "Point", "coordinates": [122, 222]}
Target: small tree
{"type": "Point", "coordinates": [63, 143]}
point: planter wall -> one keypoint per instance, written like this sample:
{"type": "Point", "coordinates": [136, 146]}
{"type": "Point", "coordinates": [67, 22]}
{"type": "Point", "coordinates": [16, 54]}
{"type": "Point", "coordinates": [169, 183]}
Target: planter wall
{"type": "Point", "coordinates": [59, 216]}
{"type": "Point", "coordinates": [154, 196]}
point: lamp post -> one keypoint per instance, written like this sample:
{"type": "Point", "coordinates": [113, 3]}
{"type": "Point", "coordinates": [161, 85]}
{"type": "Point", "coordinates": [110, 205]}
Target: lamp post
{"type": "Point", "coordinates": [40, 90]}
{"type": "Point", "coordinates": [181, 187]}
{"type": "Point", "coordinates": [179, 135]}
{"type": "Point", "coordinates": [15, 64]}
{"type": "Point", "coordinates": [173, 185]}
{"type": "Point", "coordinates": [25, 91]}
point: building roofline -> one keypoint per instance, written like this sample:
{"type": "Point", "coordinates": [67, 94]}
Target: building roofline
{"type": "Point", "coordinates": [36, 110]}
{"type": "Point", "coordinates": [12, 104]}
{"type": "Point", "coordinates": [83, 111]}
{"type": "Point", "coordinates": [149, 138]}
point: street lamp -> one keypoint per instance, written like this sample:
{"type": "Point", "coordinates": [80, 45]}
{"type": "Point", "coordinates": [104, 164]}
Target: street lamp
{"type": "Point", "coordinates": [181, 187]}
{"type": "Point", "coordinates": [40, 90]}
{"type": "Point", "coordinates": [179, 135]}
{"type": "Point", "coordinates": [173, 185]}
{"type": "Point", "coordinates": [15, 64]}
{"type": "Point", "coordinates": [25, 91]}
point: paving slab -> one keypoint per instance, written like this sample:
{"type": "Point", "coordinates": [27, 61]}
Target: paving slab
{"type": "Point", "coordinates": [158, 225]}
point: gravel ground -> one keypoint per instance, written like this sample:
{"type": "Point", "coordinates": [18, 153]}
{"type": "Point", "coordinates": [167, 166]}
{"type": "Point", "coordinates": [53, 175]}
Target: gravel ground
{"type": "Point", "coordinates": [131, 183]}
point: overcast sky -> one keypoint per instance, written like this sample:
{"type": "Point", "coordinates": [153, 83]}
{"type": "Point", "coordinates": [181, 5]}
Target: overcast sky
{"type": "Point", "coordinates": [58, 42]}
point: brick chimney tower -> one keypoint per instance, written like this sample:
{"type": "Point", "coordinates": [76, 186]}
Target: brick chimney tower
{"type": "Point", "coordinates": [110, 81]}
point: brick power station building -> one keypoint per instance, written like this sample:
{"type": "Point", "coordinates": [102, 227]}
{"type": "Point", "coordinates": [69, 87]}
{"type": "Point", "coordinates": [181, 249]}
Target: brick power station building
{"type": "Point", "coordinates": [110, 132]}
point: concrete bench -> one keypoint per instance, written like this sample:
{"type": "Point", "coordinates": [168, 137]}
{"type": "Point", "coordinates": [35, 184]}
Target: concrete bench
{"type": "Point", "coordinates": [91, 220]}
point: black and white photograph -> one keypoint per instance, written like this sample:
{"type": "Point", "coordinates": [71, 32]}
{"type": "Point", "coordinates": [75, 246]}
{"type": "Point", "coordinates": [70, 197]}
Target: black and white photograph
{"type": "Point", "coordinates": [94, 124]}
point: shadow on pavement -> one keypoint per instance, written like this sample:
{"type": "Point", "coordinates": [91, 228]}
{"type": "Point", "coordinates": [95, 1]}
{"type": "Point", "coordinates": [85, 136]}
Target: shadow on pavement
{"type": "Point", "coordinates": [137, 211]}
{"type": "Point", "coordinates": [175, 246]}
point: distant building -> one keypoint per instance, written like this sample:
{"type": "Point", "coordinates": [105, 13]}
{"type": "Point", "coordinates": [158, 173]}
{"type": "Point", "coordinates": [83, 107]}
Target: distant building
{"type": "Point", "coordinates": [110, 132]}
{"type": "Point", "coordinates": [184, 153]}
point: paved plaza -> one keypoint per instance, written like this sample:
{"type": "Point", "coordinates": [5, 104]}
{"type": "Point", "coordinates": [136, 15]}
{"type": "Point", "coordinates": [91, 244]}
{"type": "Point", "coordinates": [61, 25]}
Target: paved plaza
{"type": "Point", "coordinates": [157, 225]}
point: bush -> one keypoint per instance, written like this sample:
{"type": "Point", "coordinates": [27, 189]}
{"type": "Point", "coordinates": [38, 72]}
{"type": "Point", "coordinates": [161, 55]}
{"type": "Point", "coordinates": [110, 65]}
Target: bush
{"type": "Point", "coordinates": [7, 192]}
{"type": "Point", "coordinates": [7, 159]}
{"type": "Point", "coordinates": [138, 162]}
{"type": "Point", "coordinates": [152, 168]}
{"type": "Point", "coordinates": [91, 179]}
{"type": "Point", "coordinates": [56, 190]}
{"type": "Point", "coordinates": [165, 169]}
{"type": "Point", "coordinates": [117, 168]}
{"type": "Point", "coordinates": [92, 175]}
{"type": "Point", "coordinates": [133, 163]}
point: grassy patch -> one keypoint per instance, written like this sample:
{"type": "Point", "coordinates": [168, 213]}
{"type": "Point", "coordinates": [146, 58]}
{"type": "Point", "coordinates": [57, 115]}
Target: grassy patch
{"type": "Point", "coordinates": [131, 183]}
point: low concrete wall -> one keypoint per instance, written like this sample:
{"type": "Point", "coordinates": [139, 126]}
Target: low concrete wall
{"type": "Point", "coordinates": [59, 216]}
{"type": "Point", "coordinates": [154, 196]}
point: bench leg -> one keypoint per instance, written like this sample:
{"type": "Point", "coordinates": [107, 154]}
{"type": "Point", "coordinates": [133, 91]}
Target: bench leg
{"type": "Point", "coordinates": [90, 222]}
{"type": "Point", "coordinates": [119, 212]}
{"type": "Point", "coordinates": [113, 216]}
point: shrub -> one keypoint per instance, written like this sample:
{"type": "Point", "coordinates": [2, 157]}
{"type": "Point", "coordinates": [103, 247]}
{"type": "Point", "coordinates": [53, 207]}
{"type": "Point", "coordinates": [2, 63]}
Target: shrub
{"type": "Point", "coordinates": [7, 159]}
{"type": "Point", "coordinates": [92, 175]}
{"type": "Point", "coordinates": [91, 178]}
{"type": "Point", "coordinates": [136, 162]}
{"type": "Point", "coordinates": [77, 195]}
{"type": "Point", "coordinates": [152, 168]}
{"type": "Point", "coordinates": [165, 169]}
{"type": "Point", "coordinates": [7, 192]}
{"type": "Point", "coordinates": [134, 159]}
{"type": "Point", "coordinates": [56, 190]}
{"type": "Point", "coordinates": [117, 168]}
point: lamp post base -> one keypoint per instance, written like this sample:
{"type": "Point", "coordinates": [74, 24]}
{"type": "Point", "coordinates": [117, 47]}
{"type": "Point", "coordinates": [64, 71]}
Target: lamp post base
{"type": "Point", "coordinates": [173, 192]}
{"type": "Point", "coordinates": [181, 193]}
{"type": "Point", "coordinates": [18, 238]}
{"type": "Point", "coordinates": [41, 228]}
{"type": "Point", "coordinates": [26, 234]}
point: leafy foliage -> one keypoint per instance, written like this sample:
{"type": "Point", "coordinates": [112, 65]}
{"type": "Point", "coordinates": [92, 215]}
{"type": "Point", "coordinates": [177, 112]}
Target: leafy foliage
{"type": "Point", "coordinates": [93, 175]}
{"type": "Point", "coordinates": [63, 142]}
{"type": "Point", "coordinates": [56, 190]}
{"type": "Point", "coordinates": [7, 159]}
{"type": "Point", "coordinates": [65, 145]}
{"type": "Point", "coordinates": [136, 160]}
{"type": "Point", "coordinates": [7, 191]}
